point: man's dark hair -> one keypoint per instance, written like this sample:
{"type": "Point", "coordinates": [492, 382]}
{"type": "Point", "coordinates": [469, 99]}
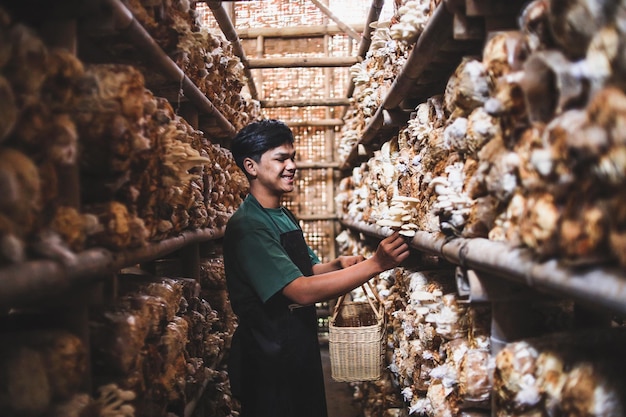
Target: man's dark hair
{"type": "Point", "coordinates": [257, 138]}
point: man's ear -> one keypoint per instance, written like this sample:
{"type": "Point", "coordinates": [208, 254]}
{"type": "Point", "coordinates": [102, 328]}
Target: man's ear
{"type": "Point", "coordinates": [250, 166]}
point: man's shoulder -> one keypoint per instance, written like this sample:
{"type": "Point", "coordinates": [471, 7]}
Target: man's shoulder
{"type": "Point", "coordinates": [248, 216]}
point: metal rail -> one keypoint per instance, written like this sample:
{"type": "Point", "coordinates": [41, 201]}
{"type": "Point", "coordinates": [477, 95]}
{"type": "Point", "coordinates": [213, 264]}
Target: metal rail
{"type": "Point", "coordinates": [597, 287]}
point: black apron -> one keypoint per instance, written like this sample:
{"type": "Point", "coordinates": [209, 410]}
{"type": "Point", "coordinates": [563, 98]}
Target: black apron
{"type": "Point", "coordinates": [275, 368]}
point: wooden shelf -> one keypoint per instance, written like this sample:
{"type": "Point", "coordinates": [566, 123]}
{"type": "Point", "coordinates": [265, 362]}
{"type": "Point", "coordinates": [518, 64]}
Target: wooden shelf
{"type": "Point", "coordinates": [29, 282]}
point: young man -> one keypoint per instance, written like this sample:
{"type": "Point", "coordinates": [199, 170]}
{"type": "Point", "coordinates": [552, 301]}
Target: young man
{"type": "Point", "coordinates": [274, 280]}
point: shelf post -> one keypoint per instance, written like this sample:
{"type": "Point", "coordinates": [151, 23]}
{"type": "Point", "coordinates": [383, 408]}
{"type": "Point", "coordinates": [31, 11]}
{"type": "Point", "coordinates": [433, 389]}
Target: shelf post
{"type": "Point", "coordinates": [509, 305]}
{"type": "Point", "coordinates": [190, 261]}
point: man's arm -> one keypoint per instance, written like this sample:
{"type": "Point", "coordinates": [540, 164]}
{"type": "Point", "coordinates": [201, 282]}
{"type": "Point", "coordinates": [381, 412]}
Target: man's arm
{"type": "Point", "coordinates": [336, 264]}
{"type": "Point", "coordinates": [330, 284]}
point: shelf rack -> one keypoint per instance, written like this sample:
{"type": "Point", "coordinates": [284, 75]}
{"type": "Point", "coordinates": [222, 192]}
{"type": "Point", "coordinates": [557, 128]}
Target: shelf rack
{"type": "Point", "coordinates": [50, 283]}
{"type": "Point", "coordinates": [31, 281]}
{"type": "Point", "coordinates": [458, 28]}
{"type": "Point", "coordinates": [597, 287]}
{"type": "Point", "coordinates": [435, 55]}
{"type": "Point", "coordinates": [114, 18]}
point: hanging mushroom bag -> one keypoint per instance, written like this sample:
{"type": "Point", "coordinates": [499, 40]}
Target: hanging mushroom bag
{"type": "Point", "coordinates": [356, 338]}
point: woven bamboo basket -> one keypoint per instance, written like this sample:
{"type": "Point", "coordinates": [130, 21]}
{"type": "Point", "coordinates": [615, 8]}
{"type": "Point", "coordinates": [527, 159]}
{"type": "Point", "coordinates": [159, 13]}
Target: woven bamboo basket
{"type": "Point", "coordinates": [356, 333]}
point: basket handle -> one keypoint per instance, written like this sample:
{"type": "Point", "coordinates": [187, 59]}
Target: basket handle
{"type": "Point", "coordinates": [369, 300]}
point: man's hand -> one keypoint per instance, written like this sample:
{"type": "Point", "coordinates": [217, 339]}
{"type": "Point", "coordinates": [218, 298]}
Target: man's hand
{"type": "Point", "coordinates": [346, 261]}
{"type": "Point", "coordinates": [391, 251]}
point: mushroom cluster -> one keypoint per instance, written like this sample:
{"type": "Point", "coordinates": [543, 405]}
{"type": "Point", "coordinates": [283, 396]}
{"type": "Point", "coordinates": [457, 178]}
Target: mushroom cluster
{"type": "Point", "coordinates": [505, 154]}
{"type": "Point", "coordinates": [564, 373]}
{"type": "Point", "coordinates": [162, 340]}
{"type": "Point", "coordinates": [372, 79]}
{"type": "Point", "coordinates": [141, 172]}
{"type": "Point", "coordinates": [440, 345]}
{"type": "Point", "coordinates": [205, 57]}
{"type": "Point", "coordinates": [400, 215]}
{"type": "Point", "coordinates": [38, 148]}
{"type": "Point", "coordinates": [524, 147]}
{"type": "Point", "coordinates": [437, 353]}
{"type": "Point", "coordinates": [412, 17]}
{"type": "Point", "coordinates": [39, 369]}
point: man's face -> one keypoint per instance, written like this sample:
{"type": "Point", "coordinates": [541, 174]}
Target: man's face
{"type": "Point", "coordinates": [276, 169]}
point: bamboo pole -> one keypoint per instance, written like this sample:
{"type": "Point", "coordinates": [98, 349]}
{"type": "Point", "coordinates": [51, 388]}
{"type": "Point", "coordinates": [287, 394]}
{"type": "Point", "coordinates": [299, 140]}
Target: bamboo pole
{"type": "Point", "coordinates": [303, 61]}
{"type": "Point", "coordinates": [314, 165]}
{"type": "Point", "coordinates": [329, 137]}
{"type": "Point", "coordinates": [294, 31]}
{"type": "Point", "coordinates": [373, 15]}
{"type": "Point", "coordinates": [260, 51]}
{"type": "Point", "coordinates": [346, 28]}
{"type": "Point", "coordinates": [305, 103]}
{"type": "Point", "coordinates": [43, 279]}
{"type": "Point", "coordinates": [225, 24]}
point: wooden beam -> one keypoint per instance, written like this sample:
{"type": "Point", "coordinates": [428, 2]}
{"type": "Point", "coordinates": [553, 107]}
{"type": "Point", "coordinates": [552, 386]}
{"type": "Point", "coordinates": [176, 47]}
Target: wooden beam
{"type": "Point", "coordinates": [305, 103]}
{"type": "Point", "coordinates": [366, 41]}
{"type": "Point", "coordinates": [297, 62]}
{"type": "Point", "coordinates": [346, 28]}
{"type": "Point", "coordinates": [319, 122]}
{"type": "Point", "coordinates": [226, 25]}
{"type": "Point", "coordinates": [294, 31]}
{"type": "Point", "coordinates": [317, 165]}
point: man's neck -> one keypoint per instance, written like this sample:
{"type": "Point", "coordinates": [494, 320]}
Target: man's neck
{"type": "Point", "coordinates": [265, 200]}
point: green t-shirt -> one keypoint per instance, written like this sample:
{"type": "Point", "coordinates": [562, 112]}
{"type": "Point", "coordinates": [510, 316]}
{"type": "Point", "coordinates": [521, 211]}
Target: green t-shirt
{"type": "Point", "coordinates": [256, 265]}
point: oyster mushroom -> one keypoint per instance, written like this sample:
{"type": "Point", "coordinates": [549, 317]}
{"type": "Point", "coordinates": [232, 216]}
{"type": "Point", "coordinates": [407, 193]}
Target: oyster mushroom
{"type": "Point", "coordinates": [591, 391]}
{"type": "Point", "coordinates": [413, 16]}
{"type": "Point", "coordinates": [8, 108]}
{"type": "Point", "coordinates": [497, 172]}
{"type": "Point", "coordinates": [574, 22]}
{"type": "Point", "coordinates": [534, 24]}
{"type": "Point", "coordinates": [112, 401]}
{"type": "Point", "coordinates": [514, 378]}
{"type": "Point", "coordinates": [481, 128]}
{"type": "Point", "coordinates": [503, 53]}
{"type": "Point", "coordinates": [482, 217]}
{"type": "Point", "coordinates": [539, 224]}
{"type": "Point", "coordinates": [468, 88]}
{"type": "Point", "coordinates": [26, 69]}
{"type": "Point", "coordinates": [508, 102]}
{"type": "Point", "coordinates": [400, 215]}
{"type": "Point", "coordinates": [20, 187]}
{"type": "Point", "coordinates": [551, 84]}
{"type": "Point", "coordinates": [583, 232]}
